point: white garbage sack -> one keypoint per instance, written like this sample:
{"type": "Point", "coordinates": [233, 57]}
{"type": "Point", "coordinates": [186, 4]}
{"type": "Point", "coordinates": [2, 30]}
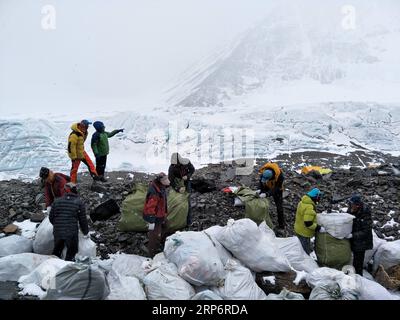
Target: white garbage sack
{"type": "Point", "coordinates": [387, 255]}
{"type": "Point", "coordinates": [43, 275]}
{"type": "Point", "coordinates": [32, 290]}
{"type": "Point", "coordinates": [369, 254]}
{"type": "Point", "coordinates": [292, 249]}
{"type": "Point", "coordinates": [371, 290]}
{"type": "Point", "coordinates": [44, 239]}
{"type": "Point", "coordinates": [159, 259]}
{"type": "Point", "coordinates": [79, 281]}
{"type": "Point", "coordinates": [196, 257]}
{"type": "Point", "coordinates": [15, 244]}
{"type": "Point", "coordinates": [14, 266]}
{"type": "Point", "coordinates": [285, 295]}
{"type": "Point", "coordinates": [124, 288]}
{"type": "Point", "coordinates": [105, 264]}
{"type": "Point", "coordinates": [206, 295]}
{"type": "Point", "coordinates": [267, 231]}
{"type": "Point", "coordinates": [253, 247]}
{"type": "Point", "coordinates": [338, 224]}
{"type": "Point", "coordinates": [164, 283]}
{"type": "Point", "coordinates": [324, 274]}
{"type": "Point", "coordinates": [294, 252]}
{"type": "Point", "coordinates": [86, 247]}
{"type": "Point", "coordinates": [213, 232]}
{"type": "Point", "coordinates": [239, 284]}
{"type": "Point", "coordinates": [332, 290]}
{"type": "Point", "coordinates": [131, 265]}
{"type": "Point", "coordinates": [238, 203]}
{"type": "Point", "coordinates": [27, 228]}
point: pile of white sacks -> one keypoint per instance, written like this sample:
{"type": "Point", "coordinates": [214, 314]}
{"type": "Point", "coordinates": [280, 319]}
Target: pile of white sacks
{"type": "Point", "coordinates": [218, 263]}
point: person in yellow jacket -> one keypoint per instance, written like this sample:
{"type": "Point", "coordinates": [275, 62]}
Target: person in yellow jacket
{"type": "Point", "coordinates": [305, 224]}
{"type": "Point", "coordinates": [271, 184]}
{"type": "Point", "coordinates": [76, 150]}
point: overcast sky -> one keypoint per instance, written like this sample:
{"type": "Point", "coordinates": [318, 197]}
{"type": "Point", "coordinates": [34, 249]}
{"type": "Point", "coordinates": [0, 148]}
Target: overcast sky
{"type": "Point", "coordinates": [107, 55]}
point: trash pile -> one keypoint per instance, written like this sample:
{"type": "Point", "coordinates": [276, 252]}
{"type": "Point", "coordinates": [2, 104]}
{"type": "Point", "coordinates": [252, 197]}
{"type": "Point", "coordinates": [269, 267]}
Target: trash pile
{"type": "Point", "coordinates": [231, 250]}
{"type": "Point", "coordinates": [238, 261]}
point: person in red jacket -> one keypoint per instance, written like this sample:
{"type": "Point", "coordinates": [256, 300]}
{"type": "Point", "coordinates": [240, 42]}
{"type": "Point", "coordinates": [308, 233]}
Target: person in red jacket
{"type": "Point", "coordinates": [155, 211]}
{"type": "Point", "coordinates": [53, 184]}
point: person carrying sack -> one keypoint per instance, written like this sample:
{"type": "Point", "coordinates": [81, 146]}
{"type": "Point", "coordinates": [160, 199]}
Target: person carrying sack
{"type": "Point", "coordinates": [155, 212]}
{"type": "Point", "coordinates": [271, 184]}
{"type": "Point", "coordinates": [361, 236]}
{"type": "Point", "coordinates": [65, 215]}
{"type": "Point", "coordinates": [53, 184]}
{"type": "Point", "coordinates": [179, 173]}
{"type": "Point", "coordinates": [306, 225]}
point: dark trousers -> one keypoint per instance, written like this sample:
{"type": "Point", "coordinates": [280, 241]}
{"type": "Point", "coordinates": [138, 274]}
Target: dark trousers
{"type": "Point", "coordinates": [156, 237]}
{"type": "Point", "coordinates": [358, 261]}
{"type": "Point", "coordinates": [305, 243]}
{"type": "Point", "coordinates": [72, 248]}
{"type": "Point", "coordinates": [277, 195]}
{"type": "Point", "coordinates": [189, 216]}
{"type": "Point", "coordinates": [101, 163]}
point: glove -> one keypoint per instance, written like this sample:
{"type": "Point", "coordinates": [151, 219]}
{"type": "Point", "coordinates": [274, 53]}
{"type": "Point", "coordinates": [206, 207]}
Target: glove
{"type": "Point", "coordinates": [151, 226]}
{"type": "Point", "coordinates": [263, 195]}
{"type": "Point", "coordinates": [182, 189]}
{"type": "Point", "coordinates": [121, 130]}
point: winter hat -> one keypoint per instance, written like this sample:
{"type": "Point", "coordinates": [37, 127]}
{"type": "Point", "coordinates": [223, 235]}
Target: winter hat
{"type": "Point", "coordinates": [267, 174]}
{"type": "Point", "coordinates": [44, 173]}
{"type": "Point", "coordinates": [98, 125]}
{"type": "Point", "coordinates": [176, 158]}
{"type": "Point", "coordinates": [163, 178]}
{"type": "Point", "coordinates": [355, 199]}
{"type": "Point", "coordinates": [86, 123]}
{"type": "Point", "coordinates": [314, 193]}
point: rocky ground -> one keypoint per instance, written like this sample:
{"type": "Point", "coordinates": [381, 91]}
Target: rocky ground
{"type": "Point", "coordinates": [355, 172]}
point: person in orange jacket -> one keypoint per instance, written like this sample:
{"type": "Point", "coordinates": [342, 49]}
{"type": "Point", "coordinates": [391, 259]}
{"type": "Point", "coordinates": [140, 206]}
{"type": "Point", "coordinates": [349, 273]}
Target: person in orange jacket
{"type": "Point", "coordinates": [271, 184]}
{"type": "Point", "coordinates": [76, 150]}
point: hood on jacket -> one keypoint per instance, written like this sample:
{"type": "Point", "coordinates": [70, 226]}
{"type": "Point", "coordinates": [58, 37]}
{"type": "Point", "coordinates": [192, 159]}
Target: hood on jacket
{"type": "Point", "coordinates": [99, 126]}
{"type": "Point", "coordinates": [307, 200]}
{"type": "Point", "coordinates": [75, 128]}
{"type": "Point", "coordinates": [176, 158]}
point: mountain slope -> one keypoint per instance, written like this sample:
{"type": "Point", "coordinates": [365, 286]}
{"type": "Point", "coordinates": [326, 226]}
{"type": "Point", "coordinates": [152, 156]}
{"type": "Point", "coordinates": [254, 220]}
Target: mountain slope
{"type": "Point", "coordinates": [310, 51]}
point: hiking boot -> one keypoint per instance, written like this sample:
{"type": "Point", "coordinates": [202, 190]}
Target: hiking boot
{"type": "Point", "coordinates": [103, 179]}
{"type": "Point", "coordinates": [96, 178]}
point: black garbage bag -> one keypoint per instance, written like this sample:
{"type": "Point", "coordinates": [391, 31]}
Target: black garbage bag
{"type": "Point", "coordinates": [105, 210]}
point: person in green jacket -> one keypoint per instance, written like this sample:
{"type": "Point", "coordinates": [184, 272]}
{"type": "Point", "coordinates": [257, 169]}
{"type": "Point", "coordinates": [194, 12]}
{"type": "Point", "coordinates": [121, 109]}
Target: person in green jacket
{"type": "Point", "coordinates": [305, 224]}
{"type": "Point", "coordinates": [101, 147]}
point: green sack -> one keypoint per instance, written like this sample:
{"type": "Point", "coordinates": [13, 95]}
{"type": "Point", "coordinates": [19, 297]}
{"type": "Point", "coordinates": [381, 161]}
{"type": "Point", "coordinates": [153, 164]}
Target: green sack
{"type": "Point", "coordinates": [256, 208]}
{"type": "Point", "coordinates": [178, 208]}
{"type": "Point", "coordinates": [331, 252]}
{"type": "Point", "coordinates": [133, 205]}
{"type": "Point", "coordinates": [132, 210]}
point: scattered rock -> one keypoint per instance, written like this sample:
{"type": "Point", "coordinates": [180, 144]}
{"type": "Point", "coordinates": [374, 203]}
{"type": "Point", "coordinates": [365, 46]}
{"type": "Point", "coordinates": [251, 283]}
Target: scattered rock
{"type": "Point", "coordinates": [12, 213]}
{"type": "Point", "coordinates": [10, 229]}
{"type": "Point", "coordinates": [37, 217]}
